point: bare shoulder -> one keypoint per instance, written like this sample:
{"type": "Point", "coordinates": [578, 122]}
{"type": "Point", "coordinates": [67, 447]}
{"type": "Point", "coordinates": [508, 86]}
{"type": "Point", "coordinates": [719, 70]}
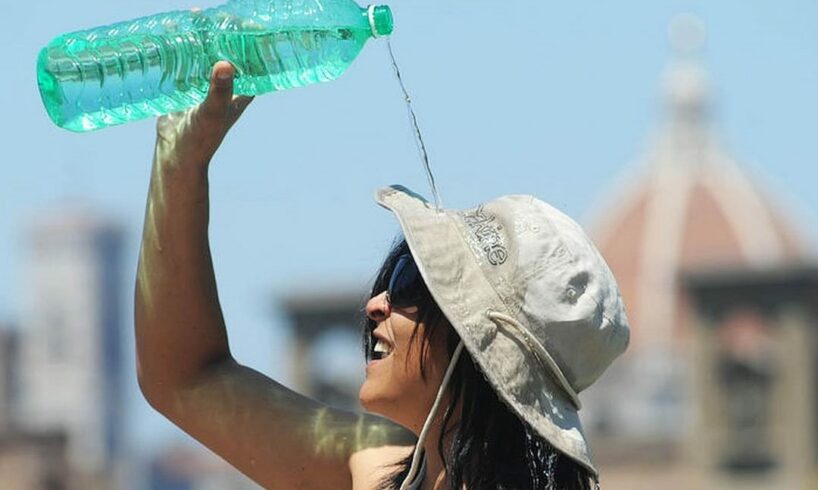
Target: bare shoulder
{"type": "Point", "coordinates": [388, 444]}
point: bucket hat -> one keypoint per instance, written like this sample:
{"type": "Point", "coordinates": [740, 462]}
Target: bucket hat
{"type": "Point", "coordinates": [532, 299]}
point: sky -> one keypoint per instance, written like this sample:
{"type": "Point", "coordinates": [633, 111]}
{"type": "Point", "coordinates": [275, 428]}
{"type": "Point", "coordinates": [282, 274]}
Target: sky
{"type": "Point", "coordinates": [554, 99]}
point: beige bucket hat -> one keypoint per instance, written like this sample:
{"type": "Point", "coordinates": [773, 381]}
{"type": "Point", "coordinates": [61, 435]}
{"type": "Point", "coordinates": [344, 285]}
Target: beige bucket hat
{"type": "Point", "coordinates": [530, 296]}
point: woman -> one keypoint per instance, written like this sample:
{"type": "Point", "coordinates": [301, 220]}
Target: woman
{"type": "Point", "coordinates": [482, 327]}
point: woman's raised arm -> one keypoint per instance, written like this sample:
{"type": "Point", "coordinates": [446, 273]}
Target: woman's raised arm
{"type": "Point", "coordinates": [185, 369]}
{"type": "Point", "coordinates": [179, 325]}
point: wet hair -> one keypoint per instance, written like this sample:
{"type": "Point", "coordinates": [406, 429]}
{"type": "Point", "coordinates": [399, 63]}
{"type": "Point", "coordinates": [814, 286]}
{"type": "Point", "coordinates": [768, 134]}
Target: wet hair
{"type": "Point", "coordinates": [491, 447]}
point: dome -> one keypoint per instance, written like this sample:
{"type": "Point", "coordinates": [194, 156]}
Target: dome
{"type": "Point", "coordinates": [688, 206]}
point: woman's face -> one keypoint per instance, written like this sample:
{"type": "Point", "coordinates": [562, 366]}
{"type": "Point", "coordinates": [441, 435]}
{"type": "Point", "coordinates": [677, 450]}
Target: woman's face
{"type": "Point", "coordinates": [394, 386]}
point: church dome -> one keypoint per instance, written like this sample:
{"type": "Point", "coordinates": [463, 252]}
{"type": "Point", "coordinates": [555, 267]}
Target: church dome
{"type": "Point", "coordinates": [688, 206]}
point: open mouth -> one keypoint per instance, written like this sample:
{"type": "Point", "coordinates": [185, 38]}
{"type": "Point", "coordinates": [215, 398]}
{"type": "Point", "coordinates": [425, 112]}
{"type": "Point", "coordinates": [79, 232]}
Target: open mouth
{"type": "Point", "coordinates": [380, 349]}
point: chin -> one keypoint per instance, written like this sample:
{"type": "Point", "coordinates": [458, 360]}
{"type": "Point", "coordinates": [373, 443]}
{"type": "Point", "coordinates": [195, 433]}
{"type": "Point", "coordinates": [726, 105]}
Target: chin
{"type": "Point", "coordinates": [368, 399]}
{"type": "Point", "coordinates": [375, 401]}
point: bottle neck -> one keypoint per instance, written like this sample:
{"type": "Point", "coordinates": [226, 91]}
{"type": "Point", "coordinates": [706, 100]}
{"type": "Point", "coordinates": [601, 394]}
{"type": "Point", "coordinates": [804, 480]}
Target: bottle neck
{"type": "Point", "coordinates": [380, 20]}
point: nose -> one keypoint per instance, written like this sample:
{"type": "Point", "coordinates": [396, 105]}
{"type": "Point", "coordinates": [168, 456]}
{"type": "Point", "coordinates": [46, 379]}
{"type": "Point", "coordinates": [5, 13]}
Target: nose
{"type": "Point", "coordinates": [377, 308]}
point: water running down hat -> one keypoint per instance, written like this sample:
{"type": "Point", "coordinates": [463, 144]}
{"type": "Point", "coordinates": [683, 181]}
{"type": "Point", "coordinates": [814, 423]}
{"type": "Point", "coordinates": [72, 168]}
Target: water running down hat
{"type": "Point", "coordinates": [532, 299]}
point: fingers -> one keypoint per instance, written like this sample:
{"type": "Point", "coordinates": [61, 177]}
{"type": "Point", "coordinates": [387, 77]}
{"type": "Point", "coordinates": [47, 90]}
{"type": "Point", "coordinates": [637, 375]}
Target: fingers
{"type": "Point", "coordinates": [197, 133]}
{"type": "Point", "coordinates": [220, 94]}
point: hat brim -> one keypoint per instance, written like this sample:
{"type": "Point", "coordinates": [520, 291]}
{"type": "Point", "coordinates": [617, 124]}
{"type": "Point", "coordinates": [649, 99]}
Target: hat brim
{"type": "Point", "coordinates": [461, 290]}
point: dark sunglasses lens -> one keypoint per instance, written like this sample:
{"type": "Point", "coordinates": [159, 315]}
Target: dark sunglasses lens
{"type": "Point", "coordinates": [405, 283]}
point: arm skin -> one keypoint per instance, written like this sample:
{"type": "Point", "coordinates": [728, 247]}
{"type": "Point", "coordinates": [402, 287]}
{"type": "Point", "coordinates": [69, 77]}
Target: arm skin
{"type": "Point", "coordinates": [185, 369]}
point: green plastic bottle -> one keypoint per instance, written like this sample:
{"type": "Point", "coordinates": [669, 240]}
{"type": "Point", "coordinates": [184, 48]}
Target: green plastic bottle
{"type": "Point", "coordinates": [160, 64]}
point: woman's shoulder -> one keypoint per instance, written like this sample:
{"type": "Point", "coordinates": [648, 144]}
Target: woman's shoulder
{"type": "Point", "coordinates": [370, 466]}
{"type": "Point", "coordinates": [382, 446]}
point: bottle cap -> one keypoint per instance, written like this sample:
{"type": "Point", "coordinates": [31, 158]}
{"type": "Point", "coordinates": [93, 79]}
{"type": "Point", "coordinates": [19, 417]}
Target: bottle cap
{"type": "Point", "coordinates": [380, 20]}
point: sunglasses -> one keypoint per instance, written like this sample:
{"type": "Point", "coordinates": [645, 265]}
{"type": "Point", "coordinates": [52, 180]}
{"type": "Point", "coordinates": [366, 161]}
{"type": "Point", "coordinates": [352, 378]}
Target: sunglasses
{"type": "Point", "coordinates": [406, 287]}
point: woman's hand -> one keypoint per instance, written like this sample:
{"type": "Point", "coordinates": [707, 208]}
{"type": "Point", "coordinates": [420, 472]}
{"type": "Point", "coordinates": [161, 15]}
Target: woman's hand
{"type": "Point", "coordinates": [193, 136]}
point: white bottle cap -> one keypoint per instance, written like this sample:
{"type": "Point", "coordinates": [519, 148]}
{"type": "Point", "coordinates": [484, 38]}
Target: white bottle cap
{"type": "Point", "coordinates": [370, 13]}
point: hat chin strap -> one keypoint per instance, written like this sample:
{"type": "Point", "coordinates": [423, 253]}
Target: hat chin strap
{"type": "Point", "coordinates": [540, 353]}
{"type": "Point", "coordinates": [416, 457]}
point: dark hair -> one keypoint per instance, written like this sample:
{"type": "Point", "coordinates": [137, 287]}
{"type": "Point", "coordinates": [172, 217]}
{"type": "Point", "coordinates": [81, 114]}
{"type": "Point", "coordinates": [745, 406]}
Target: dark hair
{"type": "Point", "coordinates": [491, 447]}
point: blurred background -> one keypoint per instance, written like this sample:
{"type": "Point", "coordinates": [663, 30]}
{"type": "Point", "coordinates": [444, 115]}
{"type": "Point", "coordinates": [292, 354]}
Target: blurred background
{"type": "Point", "coordinates": [680, 133]}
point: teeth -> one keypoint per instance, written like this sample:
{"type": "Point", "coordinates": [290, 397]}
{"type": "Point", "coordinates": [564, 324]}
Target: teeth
{"type": "Point", "coordinates": [381, 347]}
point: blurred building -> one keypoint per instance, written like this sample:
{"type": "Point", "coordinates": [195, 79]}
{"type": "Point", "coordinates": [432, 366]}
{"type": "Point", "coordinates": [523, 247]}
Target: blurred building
{"type": "Point", "coordinates": [688, 206]}
{"type": "Point", "coordinates": [28, 459]}
{"type": "Point", "coordinates": [70, 359]}
{"type": "Point", "coordinates": [33, 460]}
{"type": "Point", "coordinates": [756, 378]}
{"type": "Point", "coordinates": [8, 371]}
{"type": "Point", "coordinates": [327, 325]}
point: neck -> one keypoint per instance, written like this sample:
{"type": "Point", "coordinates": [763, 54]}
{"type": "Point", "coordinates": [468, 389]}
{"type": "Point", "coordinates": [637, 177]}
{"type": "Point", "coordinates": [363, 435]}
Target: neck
{"type": "Point", "coordinates": [436, 478]}
{"type": "Point", "coordinates": [435, 469]}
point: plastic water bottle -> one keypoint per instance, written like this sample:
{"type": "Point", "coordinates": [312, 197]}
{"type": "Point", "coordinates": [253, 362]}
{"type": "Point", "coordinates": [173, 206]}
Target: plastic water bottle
{"type": "Point", "coordinates": [160, 64]}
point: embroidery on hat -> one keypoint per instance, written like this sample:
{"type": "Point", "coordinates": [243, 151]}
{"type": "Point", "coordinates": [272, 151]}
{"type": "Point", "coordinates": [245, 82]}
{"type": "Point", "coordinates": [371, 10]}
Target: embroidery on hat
{"type": "Point", "coordinates": [486, 231]}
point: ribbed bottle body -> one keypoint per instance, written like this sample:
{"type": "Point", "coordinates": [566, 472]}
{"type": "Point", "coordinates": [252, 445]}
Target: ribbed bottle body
{"type": "Point", "coordinates": [160, 64]}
